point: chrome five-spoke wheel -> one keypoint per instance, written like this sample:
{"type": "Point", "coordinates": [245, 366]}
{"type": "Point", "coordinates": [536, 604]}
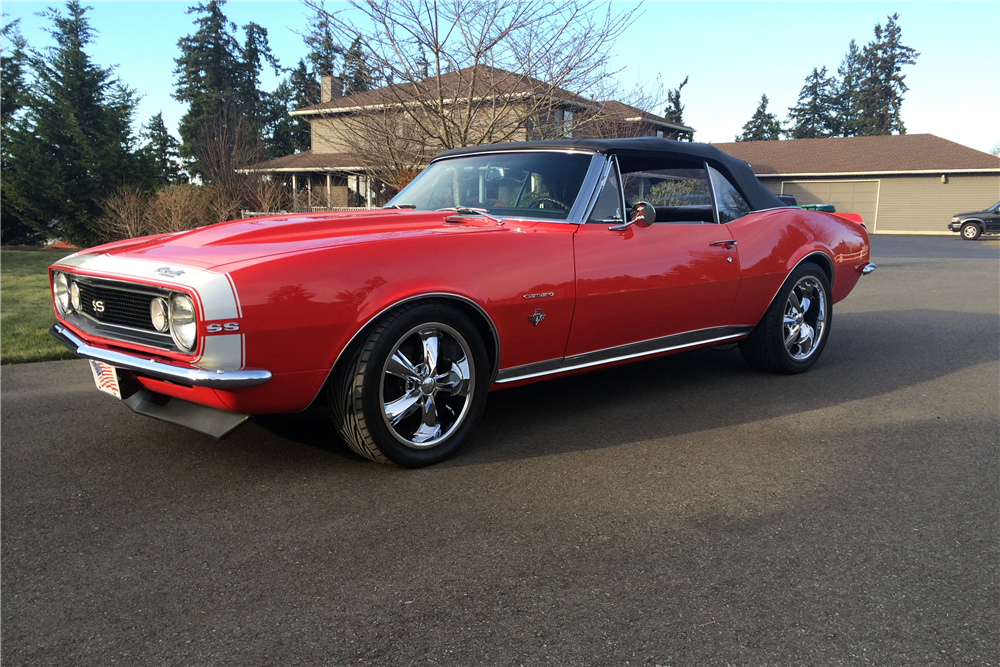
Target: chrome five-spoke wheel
{"type": "Point", "coordinates": [793, 331]}
{"type": "Point", "coordinates": [427, 385]}
{"type": "Point", "coordinates": [414, 387]}
{"type": "Point", "coordinates": [804, 318]}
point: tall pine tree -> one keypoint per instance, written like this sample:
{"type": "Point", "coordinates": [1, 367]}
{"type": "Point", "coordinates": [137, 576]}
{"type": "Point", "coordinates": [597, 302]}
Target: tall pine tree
{"type": "Point", "coordinates": [219, 79]}
{"type": "Point", "coordinates": [675, 110]}
{"type": "Point", "coordinates": [849, 76]}
{"type": "Point", "coordinates": [162, 150]}
{"type": "Point", "coordinates": [75, 143]}
{"type": "Point", "coordinates": [356, 77]}
{"type": "Point", "coordinates": [762, 126]}
{"type": "Point", "coordinates": [813, 115]}
{"type": "Point", "coordinates": [13, 67]}
{"type": "Point", "coordinates": [879, 98]}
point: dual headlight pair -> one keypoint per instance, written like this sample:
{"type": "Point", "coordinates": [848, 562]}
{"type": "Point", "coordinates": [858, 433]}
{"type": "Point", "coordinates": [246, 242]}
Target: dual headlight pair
{"type": "Point", "coordinates": [175, 314]}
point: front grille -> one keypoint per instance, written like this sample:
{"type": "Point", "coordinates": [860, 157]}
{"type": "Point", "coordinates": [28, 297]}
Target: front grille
{"type": "Point", "coordinates": [112, 305]}
{"type": "Point", "coordinates": [120, 311]}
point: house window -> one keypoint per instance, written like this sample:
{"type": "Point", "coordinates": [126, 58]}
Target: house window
{"type": "Point", "coordinates": [565, 119]}
{"type": "Point", "coordinates": [659, 133]}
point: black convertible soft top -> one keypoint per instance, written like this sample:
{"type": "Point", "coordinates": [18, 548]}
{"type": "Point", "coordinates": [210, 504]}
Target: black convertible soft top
{"type": "Point", "coordinates": [638, 148]}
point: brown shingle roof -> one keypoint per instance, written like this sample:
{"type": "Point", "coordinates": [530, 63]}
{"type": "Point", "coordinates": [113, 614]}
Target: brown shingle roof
{"type": "Point", "coordinates": [859, 155]}
{"type": "Point", "coordinates": [484, 81]}
{"type": "Point", "coordinates": [309, 161]}
{"type": "Point", "coordinates": [627, 112]}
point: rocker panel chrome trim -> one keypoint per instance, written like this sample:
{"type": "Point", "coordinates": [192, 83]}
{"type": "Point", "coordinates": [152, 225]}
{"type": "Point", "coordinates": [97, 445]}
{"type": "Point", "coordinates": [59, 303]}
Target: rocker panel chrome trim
{"type": "Point", "coordinates": [622, 353]}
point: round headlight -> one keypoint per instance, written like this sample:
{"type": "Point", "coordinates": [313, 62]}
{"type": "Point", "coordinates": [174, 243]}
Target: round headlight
{"type": "Point", "coordinates": [60, 289]}
{"type": "Point", "coordinates": [158, 310]}
{"type": "Point", "coordinates": [74, 296]}
{"type": "Point", "coordinates": [183, 324]}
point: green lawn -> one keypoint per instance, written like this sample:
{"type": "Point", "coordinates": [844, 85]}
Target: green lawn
{"type": "Point", "coordinates": [26, 307]}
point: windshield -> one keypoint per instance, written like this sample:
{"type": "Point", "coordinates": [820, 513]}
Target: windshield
{"type": "Point", "coordinates": [528, 185]}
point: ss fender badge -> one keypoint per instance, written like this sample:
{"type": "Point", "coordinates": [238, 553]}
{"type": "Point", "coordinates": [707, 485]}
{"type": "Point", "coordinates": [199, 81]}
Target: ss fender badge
{"type": "Point", "coordinates": [539, 295]}
{"type": "Point", "coordinates": [219, 328]}
{"type": "Point", "coordinates": [537, 318]}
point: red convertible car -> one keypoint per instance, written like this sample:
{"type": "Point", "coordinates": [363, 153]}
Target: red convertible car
{"type": "Point", "coordinates": [497, 266]}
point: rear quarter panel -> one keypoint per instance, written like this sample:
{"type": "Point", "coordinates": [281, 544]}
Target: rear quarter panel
{"type": "Point", "coordinates": [772, 243]}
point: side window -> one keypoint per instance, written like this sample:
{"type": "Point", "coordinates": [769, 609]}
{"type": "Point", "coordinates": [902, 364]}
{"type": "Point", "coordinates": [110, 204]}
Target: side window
{"type": "Point", "coordinates": [730, 202]}
{"type": "Point", "coordinates": [609, 202]}
{"type": "Point", "coordinates": [680, 195]}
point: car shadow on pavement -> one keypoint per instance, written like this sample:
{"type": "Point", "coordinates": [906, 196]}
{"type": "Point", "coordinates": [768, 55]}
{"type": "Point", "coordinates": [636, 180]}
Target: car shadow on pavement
{"type": "Point", "coordinates": [868, 355]}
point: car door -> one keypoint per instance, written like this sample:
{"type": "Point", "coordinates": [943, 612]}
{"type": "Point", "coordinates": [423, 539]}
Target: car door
{"type": "Point", "coordinates": [992, 219]}
{"type": "Point", "coordinates": [641, 284]}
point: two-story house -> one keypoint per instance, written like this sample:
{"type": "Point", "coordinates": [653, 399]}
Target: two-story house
{"type": "Point", "coordinates": [366, 145]}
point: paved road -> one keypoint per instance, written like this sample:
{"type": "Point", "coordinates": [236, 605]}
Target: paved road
{"type": "Point", "coordinates": [682, 511]}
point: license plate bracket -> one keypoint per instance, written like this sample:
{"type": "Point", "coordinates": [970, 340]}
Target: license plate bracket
{"type": "Point", "coordinates": [106, 378]}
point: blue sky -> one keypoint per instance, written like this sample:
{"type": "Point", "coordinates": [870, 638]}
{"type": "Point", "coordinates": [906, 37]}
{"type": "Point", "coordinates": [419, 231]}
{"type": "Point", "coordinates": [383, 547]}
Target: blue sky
{"type": "Point", "coordinates": [732, 52]}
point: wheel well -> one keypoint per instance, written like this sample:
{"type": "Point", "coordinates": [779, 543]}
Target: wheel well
{"type": "Point", "coordinates": [478, 317]}
{"type": "Point", "coordinates": [973, 221]}
{"type": "Point", "coordinates": [823, 261]}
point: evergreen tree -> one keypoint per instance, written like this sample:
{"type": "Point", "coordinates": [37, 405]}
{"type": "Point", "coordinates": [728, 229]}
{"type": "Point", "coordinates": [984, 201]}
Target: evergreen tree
{"type": "Point", "coordinates": [162, 150]}
{"type": "Point", "coordinates": [762, 126]}
{"type": "Point", "coordinates": [849, 76]}
{"type": "Point", "coordinates": [281, 131]}
{"type": "Point", "coordinates": [219, 78]}
{"type": "Point", "coordinates": [75, 142]}
{"type": "Point", "coordinates": [813, 115]}
{"type": "Point", "coordinates": [13, 66]}
{"type": "Point", "coordinates": [880, 93]}
{"type": "Point", "coordinates": [324, 51]}
{"type": "Point", "coordinates": [675, 110]}
{"type": "Point", "coordinates": [356, 77]}
{"type": "Point", "coordinates": [305, 92]}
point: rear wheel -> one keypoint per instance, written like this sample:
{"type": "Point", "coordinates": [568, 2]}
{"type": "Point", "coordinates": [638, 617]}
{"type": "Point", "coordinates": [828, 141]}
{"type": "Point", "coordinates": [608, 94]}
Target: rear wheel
{"type": "Point", "coordinates": [971, 231]}
{"type": "Point", "coordinates": [414, 390]}
{"type": "Point", "coordinates": [793, 332]}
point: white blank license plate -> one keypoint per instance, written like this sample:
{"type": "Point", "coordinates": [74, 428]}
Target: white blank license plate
{"type": "Point", "coordinates": [106, 378]}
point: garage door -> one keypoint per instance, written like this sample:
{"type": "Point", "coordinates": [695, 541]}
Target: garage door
{"type": "Point", "coordinates": [847, 196]}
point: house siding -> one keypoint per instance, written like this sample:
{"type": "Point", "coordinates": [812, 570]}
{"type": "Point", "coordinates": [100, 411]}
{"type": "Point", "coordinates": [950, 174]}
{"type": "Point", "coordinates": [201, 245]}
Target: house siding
{"type": "Point", "coordinates": [915, 204]}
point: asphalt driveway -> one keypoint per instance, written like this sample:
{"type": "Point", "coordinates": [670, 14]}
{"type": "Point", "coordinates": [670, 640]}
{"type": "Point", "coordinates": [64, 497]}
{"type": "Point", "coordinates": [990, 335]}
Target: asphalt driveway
{"type": "Point", "coordinates": [680, 511]}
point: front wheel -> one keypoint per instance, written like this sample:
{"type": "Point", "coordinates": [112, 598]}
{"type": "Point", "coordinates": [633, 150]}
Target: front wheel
{"type": "Point", "coordinates": [414, 390]}
{"type": "Point", "coordinates": [793, 332]}
{"type": "Point", "coordinates": [971, 232]}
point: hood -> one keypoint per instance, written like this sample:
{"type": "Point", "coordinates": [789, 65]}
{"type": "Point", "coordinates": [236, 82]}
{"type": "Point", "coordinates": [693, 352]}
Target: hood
{"type": "Point", "coordinates": [970, 214]}
{"type": "Point", "coordinates": [242, 241]}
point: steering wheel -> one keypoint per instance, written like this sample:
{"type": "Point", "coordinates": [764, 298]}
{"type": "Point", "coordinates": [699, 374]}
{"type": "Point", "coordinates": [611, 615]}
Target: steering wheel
{"type": "Point", "coordinates": [542, 200]}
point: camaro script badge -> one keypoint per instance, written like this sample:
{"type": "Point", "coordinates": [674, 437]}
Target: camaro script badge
{"type": "Point", "coordinates": [537, 317]}
{"type": "Point", "coordinates": [167, 271]}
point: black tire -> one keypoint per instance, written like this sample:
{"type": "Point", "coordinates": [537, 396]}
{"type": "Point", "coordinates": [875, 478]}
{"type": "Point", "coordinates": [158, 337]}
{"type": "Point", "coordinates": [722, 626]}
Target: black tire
{"type": "Point", "coordinates": [427, 365]}
{"type": "Point", "coordinates": [766, 348]}
{"type": "Point", "coordinates": [971, 231]}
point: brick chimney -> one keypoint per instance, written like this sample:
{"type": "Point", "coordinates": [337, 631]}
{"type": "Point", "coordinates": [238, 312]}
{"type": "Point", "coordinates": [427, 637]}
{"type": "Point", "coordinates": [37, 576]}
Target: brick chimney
{"type": "Point", "coordinates": [330, 88]}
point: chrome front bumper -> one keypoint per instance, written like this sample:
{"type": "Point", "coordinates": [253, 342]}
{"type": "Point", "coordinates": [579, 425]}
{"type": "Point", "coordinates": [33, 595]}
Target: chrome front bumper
{"type": "Point", "coordinates": [197, 377]}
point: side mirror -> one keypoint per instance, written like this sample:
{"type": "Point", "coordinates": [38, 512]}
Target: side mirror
{"type": "Point", "coordinates": [643, 214]}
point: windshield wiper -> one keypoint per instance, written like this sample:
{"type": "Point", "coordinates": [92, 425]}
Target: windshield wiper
{"type": "Point", "coordinates": [468, 210]}
{"type": "Point", "coordinates": [400, 206]}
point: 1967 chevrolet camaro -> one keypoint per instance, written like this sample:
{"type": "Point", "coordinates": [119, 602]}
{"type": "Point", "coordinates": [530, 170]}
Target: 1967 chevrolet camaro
{"type": "Point", "coordinates": [497, 266]}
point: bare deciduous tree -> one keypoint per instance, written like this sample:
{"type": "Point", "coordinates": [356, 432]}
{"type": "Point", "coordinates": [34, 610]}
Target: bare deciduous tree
{"type": "Point", "coordinates": [468, 72]}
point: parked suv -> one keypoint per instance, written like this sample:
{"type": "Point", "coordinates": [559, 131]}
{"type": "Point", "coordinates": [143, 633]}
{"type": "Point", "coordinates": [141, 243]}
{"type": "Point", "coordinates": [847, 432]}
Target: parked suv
{"type": "Point", "coordinates": [973, 225]}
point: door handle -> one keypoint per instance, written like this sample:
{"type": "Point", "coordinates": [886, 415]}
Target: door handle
{"type": "Point", "coordinates": [729, 243]}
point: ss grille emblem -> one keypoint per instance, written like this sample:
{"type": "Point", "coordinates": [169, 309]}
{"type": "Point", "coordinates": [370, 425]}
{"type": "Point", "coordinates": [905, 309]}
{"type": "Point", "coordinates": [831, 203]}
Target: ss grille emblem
{"type": "Point", "coordinates": [98, 306]}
